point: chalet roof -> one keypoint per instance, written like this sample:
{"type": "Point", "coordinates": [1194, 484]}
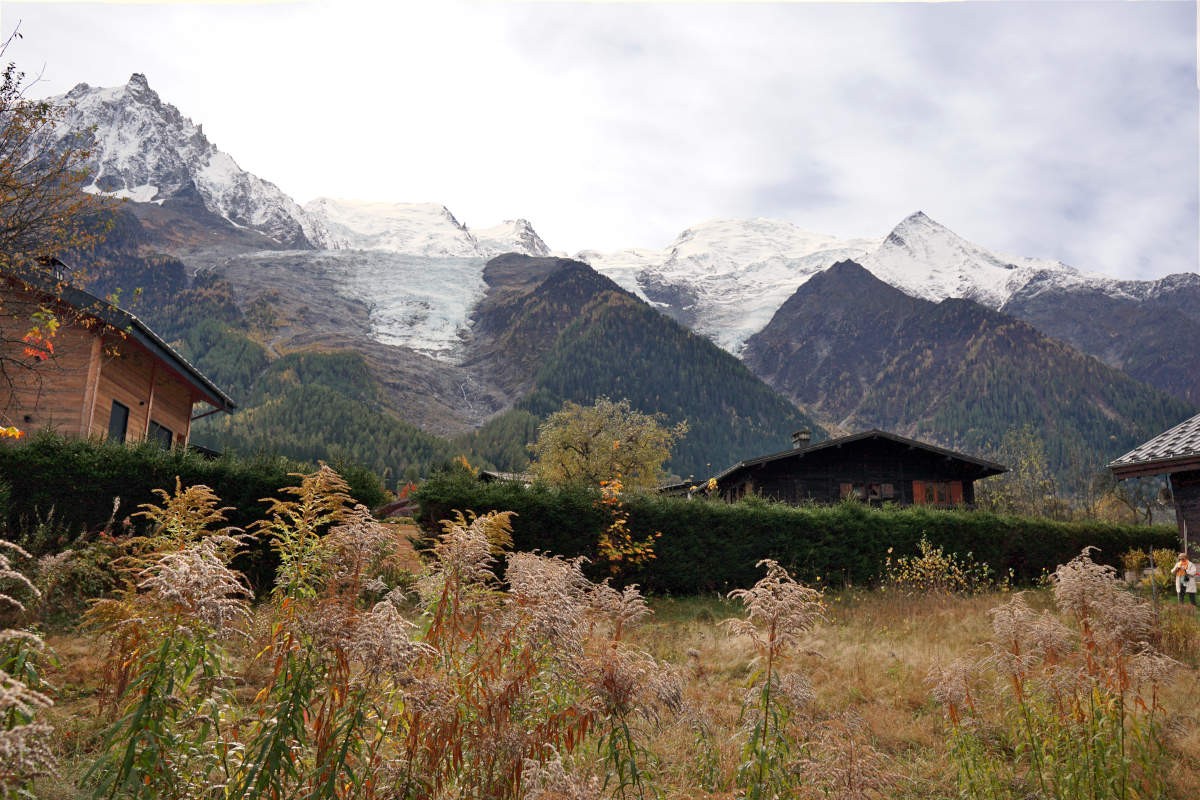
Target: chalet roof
{"type": "Point", "coordinates": [986, 468]}
{"type": "Point", "coordinates": [129, 324]}
{"type": "Point", "coordinates": [1175, 450]}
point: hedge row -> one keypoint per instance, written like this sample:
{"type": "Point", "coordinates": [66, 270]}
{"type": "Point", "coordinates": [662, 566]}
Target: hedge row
{"type": "Point", "coordinates": [73, 483]}
{"type": "Point", "coordinates": [706, 545]}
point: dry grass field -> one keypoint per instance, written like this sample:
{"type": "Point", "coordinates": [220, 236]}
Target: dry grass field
{"type": "Point", "coordinates": [370, 675]}
{"type": "Point", "coordinates": [868, 666]}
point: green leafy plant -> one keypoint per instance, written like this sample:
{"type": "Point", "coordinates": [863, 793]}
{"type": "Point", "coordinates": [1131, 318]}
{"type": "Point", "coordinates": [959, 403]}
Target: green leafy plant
{"type": "Point", "coordinates": [933, 571]}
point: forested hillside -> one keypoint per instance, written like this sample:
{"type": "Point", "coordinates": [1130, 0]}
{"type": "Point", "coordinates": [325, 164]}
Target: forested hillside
{"type": "Point", "coordinates": [863, 354]}
{"type": "Point", "coordinates": [549, 330]}
{"type": "Point", "coordinates": [564, 332]}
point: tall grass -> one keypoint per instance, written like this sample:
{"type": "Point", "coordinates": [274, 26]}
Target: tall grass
{"type": "Point", "coordinates": [466, 670]}
{"type": "Point", "coordinates": [1074, 707]}
{"type": "Point", "coordinates": [25, 751]}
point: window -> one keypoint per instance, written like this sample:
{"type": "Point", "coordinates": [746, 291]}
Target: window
{"type": "Point", "coordinates": [118, 421]}
{"type": "Point", "coordinates": [937, 493]}
{"type": "Point", "coordinates": [161, 434]}
{"type": "Point", "coordinates": [868, 491]}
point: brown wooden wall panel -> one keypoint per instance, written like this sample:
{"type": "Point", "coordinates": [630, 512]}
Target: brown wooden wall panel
{"type": "Point", "coordinates": [90, 369]}
{"type": "Point", "coordinates": [51, 394]}
{"type": "Point", "coordinates": [172, 405]}
{"type": "Point", "coordinates": [126, 376]}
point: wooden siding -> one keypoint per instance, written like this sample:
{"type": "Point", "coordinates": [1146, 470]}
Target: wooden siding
{"type": "Point", "coordinates": [73, 391]}
{"type": "Point", "coordinates": [866, 468]}
{"type": "Point", "coordinates": [51, 394]}
{"type": "Point", "coordinates": [1185, 487]}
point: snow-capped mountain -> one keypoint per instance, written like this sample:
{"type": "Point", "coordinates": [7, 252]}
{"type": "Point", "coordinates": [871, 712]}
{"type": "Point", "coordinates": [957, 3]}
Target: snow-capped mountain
{"type": "Point", "coordinates": [419, 270]}
{"type": "Point", "coordinates": [145, 150]}
{"type": "Point", "coordinates": [511, 236]}
{"type": "Point", "coordinates": [725, 278]}
{"type": "Point", "coordinates": [927, 260]}
{"type": "Point", "coordinates": [416, 229]}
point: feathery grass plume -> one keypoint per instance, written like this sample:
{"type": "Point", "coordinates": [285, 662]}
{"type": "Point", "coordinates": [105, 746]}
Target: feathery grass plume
{"type": "Point", "coordinates": [10, 574]}
{"type": "Point", "coordinates": [195, 585]}
{"type": "Point", "coordinates": [1101, 605]}
{"type": "Point", "coordinates": [180, 520]}
{"type": "Point", "coordinates": [359, 551]}
{"type": "Point", "coordinates": [383, 646]}
{"type": "Point", "coordinates": [620, 609]}
{"type": "Point", "coordinates": [841, 762]}
{"type": "Point", "coordinates": [166, 625]}
{"type": "Point", "coordinates": [25, 751]}
{"type": "Point", "coordinates": [778, 611]}
{"type": "Point", "coordinates": [464, 554]}
{"type": "Point", "coordinates": [951, 687]}
{"type": "Point", "coordinates": [501, 661]}
{"type": "Point", "coordinates": [550, 593]}
{"type": "Point", "coordinates": [626, 685]}
{"type": "Point", "coordinates": [551, 780]}
{"type": "Point", "coordinates": [1076, 710]}
{"type": "Point", "coordinates": [295, 527]}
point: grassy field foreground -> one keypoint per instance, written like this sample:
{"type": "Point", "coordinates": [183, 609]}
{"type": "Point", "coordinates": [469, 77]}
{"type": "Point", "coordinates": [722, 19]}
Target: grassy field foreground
{"type": "Point", "coordinates": [369, 674]}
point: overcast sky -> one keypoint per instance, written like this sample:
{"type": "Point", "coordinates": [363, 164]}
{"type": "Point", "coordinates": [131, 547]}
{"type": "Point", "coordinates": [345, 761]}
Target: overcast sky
{"type": "Point", "coordinates": [1056, 130]}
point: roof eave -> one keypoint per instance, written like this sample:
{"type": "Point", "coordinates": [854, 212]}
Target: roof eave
{"type": "Point", "coordinates": [1158, 466]}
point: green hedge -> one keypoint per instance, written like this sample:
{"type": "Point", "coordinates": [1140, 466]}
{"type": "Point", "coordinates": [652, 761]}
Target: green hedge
{"type": "Point", "coordinates": [708, 546]}
{"type": "Point", "coordinates": [77, 480]}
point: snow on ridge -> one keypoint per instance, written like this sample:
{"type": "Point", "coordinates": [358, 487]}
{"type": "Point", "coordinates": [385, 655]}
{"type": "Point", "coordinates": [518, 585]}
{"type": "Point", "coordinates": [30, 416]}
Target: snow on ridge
{"type": "Point", "coordinates": [425, 229]}
{"type": "Point", "coordinates": [420, 229]}
{"type": "Point", "coordinates": [146, 193]}
{"type": "Point", "coordinates": [925, 259]}
{"type": "Point", "coordinates": [727, 277]}
{"type": "Point", "coordinates": [138, 142]}
{"type": "Point", "coordinates": [511, 236]}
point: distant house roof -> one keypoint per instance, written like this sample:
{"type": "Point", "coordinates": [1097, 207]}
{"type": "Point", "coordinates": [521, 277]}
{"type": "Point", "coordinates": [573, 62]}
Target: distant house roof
{"type": "Point", "coordinates": [106, 312]}
{"type": "Point", "coordinates": [1175, 450]}
{"type": "Point", "coordinates": [495, 476]}
{"type": "Point", "coordinates": [986, 468]}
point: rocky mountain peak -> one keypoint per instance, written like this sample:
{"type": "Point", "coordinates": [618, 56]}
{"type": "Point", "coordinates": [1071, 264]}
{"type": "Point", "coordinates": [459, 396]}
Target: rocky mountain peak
{"type": "Point", "coordinates": [145, 150]}
{"type": "Point", "coordinates": [511, 236]}
{"type": "Point", "coordinates": [138, 84]}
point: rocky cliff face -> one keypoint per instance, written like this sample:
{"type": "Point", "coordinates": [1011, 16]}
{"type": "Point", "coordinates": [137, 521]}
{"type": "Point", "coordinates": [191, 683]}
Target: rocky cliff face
{"type": "Point", "coordinates": [146, 150]}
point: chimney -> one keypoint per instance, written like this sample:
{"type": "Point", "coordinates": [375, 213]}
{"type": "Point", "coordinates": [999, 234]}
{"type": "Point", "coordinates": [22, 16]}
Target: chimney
{"type": "Point", "coordinates": [801, 438]}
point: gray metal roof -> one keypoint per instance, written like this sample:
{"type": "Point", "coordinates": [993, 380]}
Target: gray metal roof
{"type": "Point", "coordinates": [1171, 450]}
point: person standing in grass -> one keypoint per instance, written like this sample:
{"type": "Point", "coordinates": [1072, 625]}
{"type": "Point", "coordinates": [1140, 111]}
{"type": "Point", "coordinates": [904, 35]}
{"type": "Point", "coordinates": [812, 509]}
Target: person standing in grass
{"type": "Point", "coordinates": [1185, 578]}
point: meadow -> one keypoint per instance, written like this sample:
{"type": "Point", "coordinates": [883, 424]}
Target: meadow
{"type": "Point", "coordinates": [372, 670]}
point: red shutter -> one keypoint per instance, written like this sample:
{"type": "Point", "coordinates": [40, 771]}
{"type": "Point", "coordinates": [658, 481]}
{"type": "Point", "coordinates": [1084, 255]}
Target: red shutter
{"type": "Point", "coordinates": [918, 493]}
{"type": "Point", "coordinates": [956, 492]}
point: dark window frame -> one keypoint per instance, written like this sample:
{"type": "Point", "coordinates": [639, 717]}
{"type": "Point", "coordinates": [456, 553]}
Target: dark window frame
{"type": "Point", "coordinates": [118, 422]}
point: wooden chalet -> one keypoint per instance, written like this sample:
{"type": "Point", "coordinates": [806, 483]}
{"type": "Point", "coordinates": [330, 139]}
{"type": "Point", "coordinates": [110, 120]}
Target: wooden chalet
{"type": "Point", "coordinates": [875, 466]}
{"type": "Point", "coordinates": [1176, 454]}
{"type": "Point", "coordinates": [103, 374]}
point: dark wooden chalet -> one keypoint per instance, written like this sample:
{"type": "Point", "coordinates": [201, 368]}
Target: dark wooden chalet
{"type": "Point", "coordinates": [874, 466]}
{"type": "Point", "coordinates": [1176, 454]}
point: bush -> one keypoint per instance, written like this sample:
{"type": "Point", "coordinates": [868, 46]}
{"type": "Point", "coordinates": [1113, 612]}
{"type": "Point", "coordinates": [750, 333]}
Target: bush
{"type": "Point", "coordinates": [74, 483]}
{"type": "Point", "coordinates": [713, 546]}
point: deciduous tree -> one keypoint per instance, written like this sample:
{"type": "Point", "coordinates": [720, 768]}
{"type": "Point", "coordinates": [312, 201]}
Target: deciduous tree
{"type": "Point", "coordinates": [43, 214]}
{"type": "Point", "coordinates": [1029, 486]}
{"type": "Point", "coordinates": [589, 444]}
